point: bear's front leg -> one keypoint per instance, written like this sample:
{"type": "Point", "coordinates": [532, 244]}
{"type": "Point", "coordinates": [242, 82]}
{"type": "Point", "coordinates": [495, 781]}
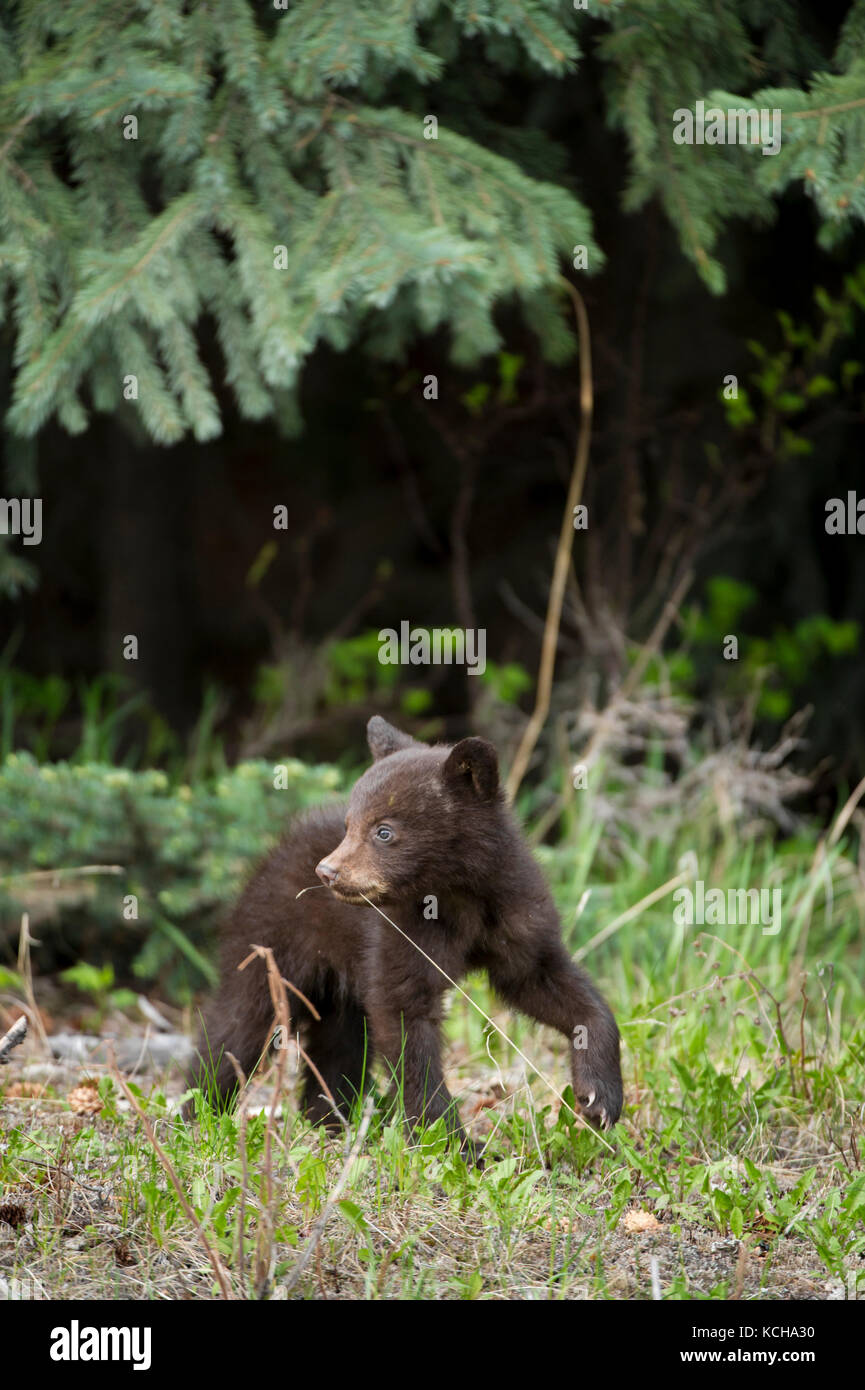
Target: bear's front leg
{"type": "Point", "coordinates": [548, 987]}
{"type": "Point", "coordinates": [403, 993]}
{"type": "Point", "coordinates": [410, 1044]}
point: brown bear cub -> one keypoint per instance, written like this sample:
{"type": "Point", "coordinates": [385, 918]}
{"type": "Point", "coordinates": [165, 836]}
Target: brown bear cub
{"type": "Point", "coordinates": [428, 836]}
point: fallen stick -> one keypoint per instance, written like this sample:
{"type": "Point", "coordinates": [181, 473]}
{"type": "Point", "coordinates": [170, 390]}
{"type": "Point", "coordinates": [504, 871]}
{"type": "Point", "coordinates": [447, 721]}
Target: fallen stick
{"type": "Point", "coordinates": [52, 874]}
{"type": "Point", "coordinates": [16, 1035]}
{"type": "Point", "coordinates": [158, 1050]}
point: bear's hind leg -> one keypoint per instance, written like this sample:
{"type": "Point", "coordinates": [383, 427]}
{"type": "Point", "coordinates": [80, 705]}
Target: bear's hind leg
{"type": "Point", "coordinates": [337, 1046]}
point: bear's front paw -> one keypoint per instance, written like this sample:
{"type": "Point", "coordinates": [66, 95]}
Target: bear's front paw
{"type": "Point", "coordinates": [599, 1098]}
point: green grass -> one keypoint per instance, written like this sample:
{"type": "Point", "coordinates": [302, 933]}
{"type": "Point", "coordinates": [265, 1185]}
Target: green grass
{"type": "Point", "coordinates": [741, 1150]}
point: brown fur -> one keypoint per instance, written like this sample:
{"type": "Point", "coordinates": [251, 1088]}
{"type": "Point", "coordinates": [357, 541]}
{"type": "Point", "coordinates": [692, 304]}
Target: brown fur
{"type": "Point", "coordinates": [451, 836]}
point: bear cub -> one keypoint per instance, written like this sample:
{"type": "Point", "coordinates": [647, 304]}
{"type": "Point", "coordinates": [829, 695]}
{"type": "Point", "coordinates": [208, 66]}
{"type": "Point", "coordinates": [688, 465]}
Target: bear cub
{"type": "Point", "coordinates": [428, 836]}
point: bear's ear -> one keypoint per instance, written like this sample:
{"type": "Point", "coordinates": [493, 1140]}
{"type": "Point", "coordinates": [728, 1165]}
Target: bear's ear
{"type": "Point", "coordinates": [473, 765]}
{"type": "Point", "coordinates": [383, 738]}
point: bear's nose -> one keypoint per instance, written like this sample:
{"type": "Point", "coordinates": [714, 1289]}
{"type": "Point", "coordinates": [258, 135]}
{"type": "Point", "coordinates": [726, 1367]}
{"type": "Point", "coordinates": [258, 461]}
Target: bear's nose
{"type": "Point", "coordinates": [327, 874]}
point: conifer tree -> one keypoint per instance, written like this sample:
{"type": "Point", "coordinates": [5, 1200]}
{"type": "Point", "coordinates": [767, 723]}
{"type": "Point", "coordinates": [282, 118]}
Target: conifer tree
{"type": "Point", "coordinates": [281, 174]}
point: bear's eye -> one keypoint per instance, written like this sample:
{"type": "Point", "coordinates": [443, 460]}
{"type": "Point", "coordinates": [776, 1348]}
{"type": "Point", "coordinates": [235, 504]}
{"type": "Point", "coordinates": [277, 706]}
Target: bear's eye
{"type": "Point", "coordinates": [384, 832]}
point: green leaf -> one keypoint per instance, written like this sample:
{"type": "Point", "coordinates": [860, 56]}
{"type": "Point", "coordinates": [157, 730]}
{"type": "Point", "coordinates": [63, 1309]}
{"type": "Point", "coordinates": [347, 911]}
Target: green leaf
{"type": "Point", "coordinates": [354, 1216]}
{"type": "Point", "coordinates": [820, 386]}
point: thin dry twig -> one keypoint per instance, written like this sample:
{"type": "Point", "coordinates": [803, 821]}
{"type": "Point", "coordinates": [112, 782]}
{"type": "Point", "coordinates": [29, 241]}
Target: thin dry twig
{"type": "Point", "coordinates": [279, 999]}
{"type": "Point", "coordinates": [262, 951]}
{"type": "Point", "coordinates": [25, 970]}
{"type": "Point", "coordinates": [278, 986]}
{"type": "Point", "coordinates": [242, 1117]}
{"type": "Point", "coordinates": [845, 813]}
{"type": "Point", "coordinates": [741, 1271]}
{"type": "Point", "coordinates": [562, 561]}
{"type": "Point", "coordinates": [274, 982]}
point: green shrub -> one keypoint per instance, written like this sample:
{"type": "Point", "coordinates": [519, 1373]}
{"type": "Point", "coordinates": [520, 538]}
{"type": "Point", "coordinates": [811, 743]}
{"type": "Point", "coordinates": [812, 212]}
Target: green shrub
{"type": "Point", "coordinates": [181, 851]}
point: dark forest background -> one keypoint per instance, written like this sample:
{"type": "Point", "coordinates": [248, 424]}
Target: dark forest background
{"type": "Point", "coordinates": [445, 512]}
